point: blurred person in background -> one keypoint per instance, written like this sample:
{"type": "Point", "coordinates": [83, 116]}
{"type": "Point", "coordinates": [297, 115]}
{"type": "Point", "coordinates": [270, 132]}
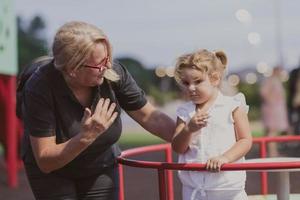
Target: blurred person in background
{"type": "Point", "coordinates": [274, 110]}
{"type": "Point", "coordinates": [293, 100]}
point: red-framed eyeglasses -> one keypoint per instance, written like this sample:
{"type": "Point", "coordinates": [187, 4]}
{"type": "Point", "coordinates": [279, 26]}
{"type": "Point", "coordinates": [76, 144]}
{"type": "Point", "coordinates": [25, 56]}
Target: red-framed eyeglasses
{"type": "Point", "coordinates": [100, 66]}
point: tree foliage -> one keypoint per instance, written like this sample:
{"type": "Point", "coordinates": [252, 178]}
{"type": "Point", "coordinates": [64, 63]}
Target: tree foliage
{"type": "Point", "coordinates": [144, 77]}
{"type": "Point", "coordinates": [31, 40]}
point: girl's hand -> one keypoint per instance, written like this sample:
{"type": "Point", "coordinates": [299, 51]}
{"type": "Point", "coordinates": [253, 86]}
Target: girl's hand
{"type": "Point", "coordinates": [93, 125]}
{"type": "Point", "coordinates": [198, 121]}
{"type": "Point", "coordinates": [214, 164]}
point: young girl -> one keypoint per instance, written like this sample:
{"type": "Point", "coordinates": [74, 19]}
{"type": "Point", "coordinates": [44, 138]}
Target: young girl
{"type": "Point", "coordinates": [211, 128]}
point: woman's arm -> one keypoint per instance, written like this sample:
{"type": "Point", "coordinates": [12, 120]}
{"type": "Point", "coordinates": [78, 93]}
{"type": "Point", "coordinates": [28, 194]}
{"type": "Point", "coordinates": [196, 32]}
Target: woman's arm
{"type": "Point", "coordinates": [51, 156]}
{"type": "Point", "coordinates": [154, 121]}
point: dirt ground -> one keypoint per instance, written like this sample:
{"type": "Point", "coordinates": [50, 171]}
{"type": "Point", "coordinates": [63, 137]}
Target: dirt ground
{"type": "Point", "coordinates": [143, 183]}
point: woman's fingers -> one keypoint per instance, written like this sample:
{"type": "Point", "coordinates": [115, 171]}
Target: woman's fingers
{"type": "Point", "coordinates": [86, 115]}
{"type": "Point", "coordinates": [104, 108]}
{"type": "Point", "coordinates": [104, 114]}
{"type": "Point", "coordinates": [110, 110]}
{"type": "Point", "coordinates": [99, 106]}
{"type": "Point", "coordinates": [112, 119]}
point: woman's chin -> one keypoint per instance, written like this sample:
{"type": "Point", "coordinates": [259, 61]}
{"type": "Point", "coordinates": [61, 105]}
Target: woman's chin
{"type": "Point", "coordinates": [100, 81]}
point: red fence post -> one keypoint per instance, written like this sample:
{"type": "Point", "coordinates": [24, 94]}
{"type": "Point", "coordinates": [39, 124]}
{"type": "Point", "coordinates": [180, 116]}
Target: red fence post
{"type": "Point", "coordinates": [11, 132]}
{"type": "Point", "coordinates": [170, 184]}
{"type": "Point", "coordinates": [264, 175]}
{"type": "Point", "coordinates": [162, 184]}
{"type": "Point", "coordinates": [121, 182]}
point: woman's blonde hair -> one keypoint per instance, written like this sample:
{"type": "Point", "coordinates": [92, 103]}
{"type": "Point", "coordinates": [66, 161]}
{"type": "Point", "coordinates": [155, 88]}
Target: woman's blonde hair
{"type": "Point", "coordinates": [73, 44]}
{"type": "Point", "coordinates": [202, 60]}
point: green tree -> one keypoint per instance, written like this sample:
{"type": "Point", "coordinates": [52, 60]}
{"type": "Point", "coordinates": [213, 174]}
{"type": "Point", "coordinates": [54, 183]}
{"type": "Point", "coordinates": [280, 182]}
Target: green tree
{"type": "Point", "coordinates": [251, 92]}
{"type": "Point", "coordinates": [31, 40]}
{"type": "Point", "coordinates": [141, 75]}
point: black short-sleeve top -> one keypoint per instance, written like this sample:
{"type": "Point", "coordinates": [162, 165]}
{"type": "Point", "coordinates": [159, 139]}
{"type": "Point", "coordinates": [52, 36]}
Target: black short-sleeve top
{"type": "Point", "coordinates": [51, 109]}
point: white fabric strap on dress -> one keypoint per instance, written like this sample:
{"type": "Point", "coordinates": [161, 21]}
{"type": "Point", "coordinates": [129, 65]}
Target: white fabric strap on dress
{"type": "Point", "coordinates": [195, 191]}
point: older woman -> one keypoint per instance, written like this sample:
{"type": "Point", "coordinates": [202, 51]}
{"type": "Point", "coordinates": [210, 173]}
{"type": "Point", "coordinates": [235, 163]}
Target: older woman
{"type": "Point", "coordinates": [71, 112]}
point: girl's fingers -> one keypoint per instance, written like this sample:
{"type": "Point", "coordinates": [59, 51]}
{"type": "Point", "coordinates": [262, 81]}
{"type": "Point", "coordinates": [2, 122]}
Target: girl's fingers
{"type": "Point", "coordinates": [207, 165]}
{"type": "Point", "coordinates": [219, 166]}
{"type": "Point", "coordinates": [214, 165]}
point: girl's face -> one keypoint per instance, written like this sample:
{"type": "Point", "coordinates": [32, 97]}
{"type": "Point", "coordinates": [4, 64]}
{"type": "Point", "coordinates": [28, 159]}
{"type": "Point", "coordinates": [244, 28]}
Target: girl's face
{"type": "Point", "coordinates": [198, 85]}
{"type": "Point", "coordinates": [91, 72]}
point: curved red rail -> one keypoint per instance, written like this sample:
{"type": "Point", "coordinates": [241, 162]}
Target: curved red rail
{"type": "Point", "coordinates": [166, 189]}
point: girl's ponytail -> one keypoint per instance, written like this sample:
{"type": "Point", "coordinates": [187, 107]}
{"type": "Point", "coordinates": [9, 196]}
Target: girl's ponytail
{"type": "Point", "coordinates": [222, 57]}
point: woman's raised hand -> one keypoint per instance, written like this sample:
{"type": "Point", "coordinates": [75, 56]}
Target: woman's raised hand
{"type": "Point", "coordinates": [95, 124]}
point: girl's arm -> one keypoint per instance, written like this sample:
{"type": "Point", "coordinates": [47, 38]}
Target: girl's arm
{"type": "Point", "coordinates": [181, 138]}
{"type": "Point", "coordinates": [243, 136]}
{"type": "Point", "coordinates": [184, 131]}
{"type": "Point", "coordinates": [242, 145]}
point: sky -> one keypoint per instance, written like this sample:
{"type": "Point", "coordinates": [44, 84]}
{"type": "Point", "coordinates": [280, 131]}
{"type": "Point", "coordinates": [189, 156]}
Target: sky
{"type": "Point", "coordinates": [157, 32]}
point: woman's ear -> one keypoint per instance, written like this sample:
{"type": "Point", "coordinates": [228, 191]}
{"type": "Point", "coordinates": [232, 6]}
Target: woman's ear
{"type": "Point", "coordinates": [215, 78]}
{"type": "Point", "coordinates": [72, 74]}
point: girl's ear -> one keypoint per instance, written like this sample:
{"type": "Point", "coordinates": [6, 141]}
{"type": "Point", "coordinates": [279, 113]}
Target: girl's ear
{"type": "Point", "coordinates": [215, 78]}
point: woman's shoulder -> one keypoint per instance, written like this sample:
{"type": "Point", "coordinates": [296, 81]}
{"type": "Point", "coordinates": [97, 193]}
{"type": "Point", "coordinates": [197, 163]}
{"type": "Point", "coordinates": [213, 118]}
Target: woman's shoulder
{"type": "Point", "coordinates": [119, 67]}
{"type": "Point", "coordinates": [42, 77]}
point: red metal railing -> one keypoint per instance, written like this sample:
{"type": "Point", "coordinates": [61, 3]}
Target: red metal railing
{"type": "Point", "coordinates": [165, 176]}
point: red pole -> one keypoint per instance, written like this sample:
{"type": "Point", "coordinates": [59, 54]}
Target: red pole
{"type": "Point", "coordinates": [162, 184]}
{"type": "Point", "coordinates": [11, 132]}
{"type": "Point", "coordinates": [121, 182]}
{"type": "Point", "coordinates": [264, 176]}
{"type": "Point", "coordinates": [170, 188]}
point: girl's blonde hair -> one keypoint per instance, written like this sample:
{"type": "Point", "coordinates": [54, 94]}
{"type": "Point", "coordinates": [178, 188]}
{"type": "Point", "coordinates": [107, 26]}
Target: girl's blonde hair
{"type": "Point", "coordinates": [203, 60]}
{"type": "Point", "coordinates": [73, 44]}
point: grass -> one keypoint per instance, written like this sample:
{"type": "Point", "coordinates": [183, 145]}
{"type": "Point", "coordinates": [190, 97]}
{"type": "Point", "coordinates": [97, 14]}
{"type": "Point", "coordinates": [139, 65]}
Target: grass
{"type": "Point", "coordinates": [257, 134]}
{"type": "Point", "coordinates": [131, 140]}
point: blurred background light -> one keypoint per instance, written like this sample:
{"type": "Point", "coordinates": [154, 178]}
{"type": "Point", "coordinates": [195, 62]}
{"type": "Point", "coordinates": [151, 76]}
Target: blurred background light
{"type": "Point", "coordinates": [251, 78]}
{"type": "Point", "coordinates": [254, 38]}
{"type": "Point", "coordinates": [243, 16]}
{"type": "Point", "coordinates": [233, 79]}
{"type": "Point", "coordinates": [262, 67]}
{"type": "Point", "coordinates": [160, 72]}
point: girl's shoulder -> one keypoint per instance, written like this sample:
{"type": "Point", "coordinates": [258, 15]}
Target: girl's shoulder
{"type": "Point", "coordinates": [186, 105]}
{"type": "Point", "coordinates": [238, 100]}
{"type": "Point", "coordinates": [186, 110]}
